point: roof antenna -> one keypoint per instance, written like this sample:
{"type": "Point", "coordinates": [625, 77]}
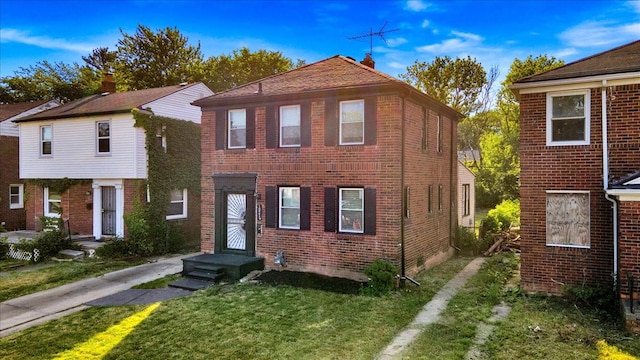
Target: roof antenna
{"type": "Point", "coordinates": [371, 34]}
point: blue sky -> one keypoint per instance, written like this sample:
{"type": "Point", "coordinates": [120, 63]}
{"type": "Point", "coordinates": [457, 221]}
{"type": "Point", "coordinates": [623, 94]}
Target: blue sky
{"type": "Point", "coordinates": [493, 32]}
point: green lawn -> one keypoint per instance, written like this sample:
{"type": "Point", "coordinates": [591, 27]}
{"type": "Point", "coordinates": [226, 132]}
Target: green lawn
{"type": "Point", "coordinates": [250, 321]}
{"type": "Point", "coordinates": [33, 278]}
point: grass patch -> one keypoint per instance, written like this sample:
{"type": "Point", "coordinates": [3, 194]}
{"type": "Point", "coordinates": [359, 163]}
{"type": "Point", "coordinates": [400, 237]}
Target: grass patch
{"type": "Point", "coordinates": [245, 321]}
{"type": "Point", "coordinates": [566, 331]}
{"type": "Point", "coordinates": [34, 278]}
{"type": "Point", "coordinates": [453, 335]}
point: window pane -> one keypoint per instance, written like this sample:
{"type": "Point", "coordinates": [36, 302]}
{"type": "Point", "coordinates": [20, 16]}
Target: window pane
{"type": "Point", "coordinates": [175, 209]}
{"type": "Point", "coordinates": [352, 111]}
{"type": "Point", "coordinates": [237, 128]}
{"type": "Point", "coordinates": [352, 122]}
{"type": "Point", "coordinates": [103, 129]}
{"type": "Point", "coordinates": [290, 197]}
{"type": "Point", "coordinates": [568, 129]}
{"type": "Point", "coordinates": [352, 133]}
{"type": "Point", "coordinates": [46, 133]}
{"type": "Point", "coordinates": [290, 218]}
{"type": "Point", "coordinates": [103, 145]}
{"type": "Point", "coordinates": [237, 119]}
{"type": "Point", "coordinates": [177, 195]}
{"type": "Point", "coordinates": [568, 106]}
{"type": "Point", "coordinates": [352, 199]}
{"type": "Point", "coordinates": [14, 190]}
{"type": "Point", "coordinates": [290, 135]}
{"type": "Point", "coordinates": [238, 138]}
{"type": "Point", "coordinates": [351, 220]}
{"type": "Point", "coordinates": [46, 148]}
{"type": "Point", "coordinates": [290, 116]}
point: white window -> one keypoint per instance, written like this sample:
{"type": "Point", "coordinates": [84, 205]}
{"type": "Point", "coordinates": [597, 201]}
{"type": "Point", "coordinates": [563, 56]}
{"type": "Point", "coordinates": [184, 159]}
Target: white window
{"type": "Point", "coordinates": [103, 131]}
{"type": "Point", "coordinates": [237, 129]}
{"type": "Point", "coordinates": [289, 207]}
{"type": "Point", "coordinates": [568, 219]}
{"type": "Point", "coordinates": [290, 126]}
{"type": "Point", "coordinates": [351, 204]}
{"type": "Point", "coordinates": [52, 203]}
{"type": "Point", "coordinates": [352, 122]}
{"type": "Point", "coordinates": [466, 199]}
{"type": "Point", "coordinates": [178, 206]}
{"type": "Point", "coordinates": [568, 118]}
{"type": "Point", "coordinates": [46, 140]}
{"type": "Point", "coordinates": [161, 138]}
{"type": "Point", "coordinates": [16, 200]}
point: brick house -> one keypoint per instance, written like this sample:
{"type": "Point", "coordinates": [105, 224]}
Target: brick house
{"type": "Point", "coordinates": [335, 164]}
{"type": "Point", "coordinates": [12, 212]}
{"type": "Point", "coordinates": [580, 172]}
{"type": "Point", "coordinates": [94, 146]}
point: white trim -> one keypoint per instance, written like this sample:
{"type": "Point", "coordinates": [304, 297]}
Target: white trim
{"type": "Point", "coordinates": [98, 138]}
{"type": "Point", "coordinates": [20, 203]}
{"type": "Point", "coordinates": [244, 111]}
{"type": "Point", "coordinates": [625, 194]}
{"type": "Point", "coordinates": [46, 201]}
{"type": "Point", "coordinates": [568, 191]}
{"type": "Point", "coordinates": [340, 122]}
{"type": "Point", "coordinates": [635, 181]}
{"type": "Point", "coordinates": [280, 207]}
{"type": "Point", "coordinates": [340, 229]}
{"type": "Point", "coordinates": [612, 79]}
{"type": "Point", "coordinates": [184, 206]}
{"type": "Point", "coordinates": [299, 125]}
{"type": "Point", "coordinates": [587, 118]}
{"type": "Point", "coordinates": [97, 206]}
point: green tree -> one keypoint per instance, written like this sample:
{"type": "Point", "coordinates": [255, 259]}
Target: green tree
{"type": "Point", "coordinates": [242, 66]}
{"type": "Point", "coordinates": [45, 81]}
{"type": "Point", "coordinates": [149, 59]}
{"type": "Point", "coordinates": [458, 83]}
{"type": "Point", "coordinates": [101, 60]}
{"type": "Point", "coordinates": [499, 171]}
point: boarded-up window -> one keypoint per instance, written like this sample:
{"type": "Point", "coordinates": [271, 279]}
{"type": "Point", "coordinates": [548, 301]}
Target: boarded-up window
{"type": "Point", "coordinates": [568, 219]}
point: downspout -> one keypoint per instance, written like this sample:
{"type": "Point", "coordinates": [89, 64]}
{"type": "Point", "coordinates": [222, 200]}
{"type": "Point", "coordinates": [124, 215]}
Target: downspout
{"type": "Point", "coordinates": [403, 274]}
{"type": "Point", "coordinates": [605, 181]}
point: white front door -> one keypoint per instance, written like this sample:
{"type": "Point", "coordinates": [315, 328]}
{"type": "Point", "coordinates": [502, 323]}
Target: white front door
{"type": "Point", "coordinates": [108, 208]}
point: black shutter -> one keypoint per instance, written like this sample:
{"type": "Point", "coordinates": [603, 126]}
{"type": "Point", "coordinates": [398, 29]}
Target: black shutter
{"type": "Point", "coordinates": [305, 124]}
{"type": "Point", "coordinates": [330, 209]}
{"type": "Point", "coordinates": [370, 120]}
{"type": "Point", "coordinates": [330, 122]}
{"type": "Point", "coordinates": [271, 127]}
{"type": "Point", "coordinates": [271, 204]}
{"type": "Point", "coordinates": [221, 134]}
{"type": "Point", "coordinates": [251, 128]}
{"type": "Point", "coordinates": [370, 211]}
{"type": "Point", "coordinates": [305, 208]}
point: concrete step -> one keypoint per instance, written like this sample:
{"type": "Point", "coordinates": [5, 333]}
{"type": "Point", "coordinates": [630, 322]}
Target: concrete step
{"type": "Point", "coordinates": [70, 254]}
{"type": "Point", "coordinates": [191, 284]}
{"type": "Point", "coordinates": [203, 275]}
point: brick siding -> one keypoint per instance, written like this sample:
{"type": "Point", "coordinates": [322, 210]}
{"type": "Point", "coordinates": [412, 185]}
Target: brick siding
{"type": "Point", "coordinates": [13, 219]}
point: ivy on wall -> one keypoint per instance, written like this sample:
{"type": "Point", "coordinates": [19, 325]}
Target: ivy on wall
{"type": "Point", "coordinates": [177, 167]}
{"type": "Point", "coordinates": [58, 185]}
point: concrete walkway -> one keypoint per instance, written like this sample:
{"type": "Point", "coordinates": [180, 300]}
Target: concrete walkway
{"type": "Point", "coordinates": [430, 313]}
{"type": "Point", "coordinates": [29, 310]}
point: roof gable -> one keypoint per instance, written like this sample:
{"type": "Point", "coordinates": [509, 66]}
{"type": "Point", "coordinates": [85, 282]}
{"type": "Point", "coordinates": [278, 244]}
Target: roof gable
{"type": "Point", "coordinates": [107, 103]}
{"type": "Point", "coordinates": [8, 111]}
{"type": "Point", "coordinates": [623, 59]}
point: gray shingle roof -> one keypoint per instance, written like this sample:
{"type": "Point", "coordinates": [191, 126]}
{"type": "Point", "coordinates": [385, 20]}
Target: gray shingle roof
{"type": "Point", "coordinates": [622, 59]}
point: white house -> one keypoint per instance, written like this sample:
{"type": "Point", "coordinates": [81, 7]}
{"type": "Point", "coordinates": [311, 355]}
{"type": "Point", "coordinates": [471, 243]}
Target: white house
{"type": "Point", "coordinates": [93, 142]}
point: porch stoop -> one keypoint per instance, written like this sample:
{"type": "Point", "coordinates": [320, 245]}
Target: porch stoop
{"type": "Point", "coordinates": [631, 319]}
{"type": "Point", "coordinates": [204, 270]}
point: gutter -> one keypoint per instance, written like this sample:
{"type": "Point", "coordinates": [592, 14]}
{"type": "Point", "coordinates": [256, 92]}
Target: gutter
{"type": "Point", "coordinates": [605, 181]}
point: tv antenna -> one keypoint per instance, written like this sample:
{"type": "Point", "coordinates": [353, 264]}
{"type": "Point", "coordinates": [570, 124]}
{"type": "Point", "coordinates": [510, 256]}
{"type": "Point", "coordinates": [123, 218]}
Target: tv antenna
{"type": "Point", "coordinates": [371, 34]}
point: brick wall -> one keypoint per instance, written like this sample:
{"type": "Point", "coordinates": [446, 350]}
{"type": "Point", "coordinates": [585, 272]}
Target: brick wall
{"type": "Point", "coordinates": [77, 207]}
{"type": "Point", "coordinates": [9, 174]}
{"type": "Point", "coordinates": [629, 244]}
{"type": "Point", "coordinates": [543, 168]}
{"type": "Point", "coordinates": [319, 166]}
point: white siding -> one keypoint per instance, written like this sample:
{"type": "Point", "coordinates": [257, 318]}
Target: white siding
{"type": "Point", "coordinates": [9, 128]}
{"type": "Point", "coordinates": [178, 105]}
{"type": "Point", "coordinates": [465, 176]}
{"type": "Point", "coordinates": [74, 150]}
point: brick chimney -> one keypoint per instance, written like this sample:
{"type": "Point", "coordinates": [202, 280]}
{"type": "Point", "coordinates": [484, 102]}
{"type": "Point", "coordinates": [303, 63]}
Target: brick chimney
{"type": "Point", "coordinates": [368, 61]}
{"type": "Point", "coordinates": [108, 83]}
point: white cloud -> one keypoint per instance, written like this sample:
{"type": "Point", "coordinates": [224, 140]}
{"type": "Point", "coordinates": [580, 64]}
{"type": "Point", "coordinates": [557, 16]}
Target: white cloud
{"type": "Point", "coordinates": [635, 5]}
{"type": "Point", "coordinates": [462, 42]}
{"type": "Point", "coordinates": [23, 37]}
{"type": "Point", "coordinates": [600, 33]}
{"type": "Point", "coordinates": [565, 53]}
{"type": "Point", "coordinates": [396, 42]}
{"type": "Point", "coordinates": [417, 5]}
{"type": "Point", "coordinates": [425, 24]}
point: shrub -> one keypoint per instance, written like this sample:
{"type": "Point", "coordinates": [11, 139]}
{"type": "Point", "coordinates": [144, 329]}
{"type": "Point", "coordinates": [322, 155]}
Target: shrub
{"type": "Point", "coordinates": [138, 242]}
{"type": "Point", "coordinates": [48, 243]}
{"type": "Point", "coordinates": [500, 218]}
{"type": "Point", "coordinates": [381, 276]}
{"type": "Point", "coordinates": [4, 248]}
{"type": "Point", "coordinates": [117, 248]}
{"type": "Point", "coordinates": [467, 242]}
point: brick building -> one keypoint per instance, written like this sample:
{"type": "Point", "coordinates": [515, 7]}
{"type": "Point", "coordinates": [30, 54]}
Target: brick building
{"type": "Point", "coordinates": [12, 211]}
{"type": "Point", "coordinates": [580, 172]}
{"type": "Point", "coordinates": [95, 158]}
{"type": "Point", "coordinates": [335, 164]}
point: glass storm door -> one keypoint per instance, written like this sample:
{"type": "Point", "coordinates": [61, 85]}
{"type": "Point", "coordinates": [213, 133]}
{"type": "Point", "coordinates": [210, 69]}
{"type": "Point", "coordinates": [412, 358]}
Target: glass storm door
{"type": "Point", "coordinates": [236, 221]}
{"type": "Point", "coordinates": [108, 210]}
